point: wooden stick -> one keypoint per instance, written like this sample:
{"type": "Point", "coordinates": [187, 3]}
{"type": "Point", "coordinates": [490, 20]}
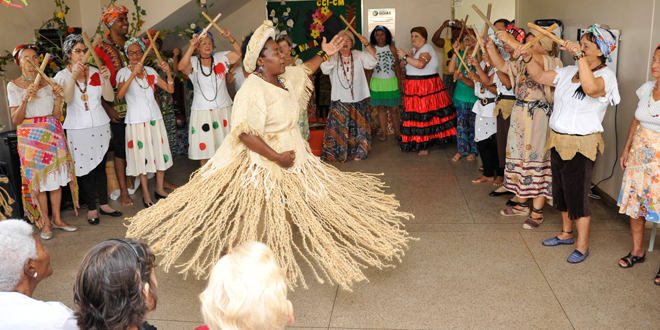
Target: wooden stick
{"type": "Point", "coordinates": [486, 19]}
{"type": "Point", "coordinates": [37, 80]}
{"type": "Point", "coordinates": [539, 37]}
{"type": "Point", "coordinates": [458, 54]}
{"type": "Point", "coordinates": [483, 33]}
{"type": "Point", "coordinates": [95, 43]}
{"type": "Point", "coordinates": [347, 27]}
{"type": "Point", "coordinates": [550, 35]}
{"type": "Point", "coordinates": [294, 60]}
{"type": "Point", "coordinates": [208, 27]}
{"type": "Point", "coordinates": [144, 57]}
{"type": "Point", "coordinates": [41, 72]}
{"type": "Point", "coordinates": [91, 46]}
{"type": "Point", "coordinates": [350, 27]}
{"type": "Point", "coordinates": [463, 23]}
{"type": "Point", "coordinates": [213, 22]}
{"type": "Point", "coordinates": [153, 42]}
{"type": "Point", "coordinates": [490, 8]}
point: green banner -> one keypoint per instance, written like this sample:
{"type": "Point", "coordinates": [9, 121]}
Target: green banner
{"type": "Point", "coordinates": [307, 22]}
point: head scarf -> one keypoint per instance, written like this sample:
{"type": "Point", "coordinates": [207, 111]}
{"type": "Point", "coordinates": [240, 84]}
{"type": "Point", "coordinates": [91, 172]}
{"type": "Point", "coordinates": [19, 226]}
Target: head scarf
{"type": "Point", "coordinates": [500, 46]}
{"type": "Point", "coordinates": [517, 33]}
{"type": "Point", "coordinates": [19, 50]}
{"type": "Point", "coordinates": [256, 44]}
{"type": "Point", "coordinates": [131, 41]}
{"type": "Point", "coordinates": [380, 28]}
{"type": "Point", "coordinates": [110, 15]}
{"type": "Point", "coordinates": [70, 41]}
{"type": "Point", "coordinates": [208, 34]}
{"type": "Point", "coordinates": [604, 39]}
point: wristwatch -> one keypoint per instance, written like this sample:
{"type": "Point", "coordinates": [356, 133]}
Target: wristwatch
{"type": "Point", "coordinates": [578, 56]}
{"type": "Point", "coordinates": [405, 57]}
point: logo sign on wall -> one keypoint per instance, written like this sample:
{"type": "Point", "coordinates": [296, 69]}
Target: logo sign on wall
{"type": "Point", "coordinates": [383, 17]}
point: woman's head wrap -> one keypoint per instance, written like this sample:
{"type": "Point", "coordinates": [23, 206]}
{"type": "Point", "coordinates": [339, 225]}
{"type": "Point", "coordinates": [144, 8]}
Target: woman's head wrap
{"type": "Point", "coordinates": [516, 32]}
{"type": "Point", "coordinates": [70, 41]}
{"type": "Point", "coordinates": [111, 14]}
{"type": "Point", "coordinates": [19, 49]}
{"type": "Point", "coordinates": [500, 46]}
{"type": "Point", "coordinates": [604, 39]}
{"type": "Point", "coordinates": [131, 41]}
{"type": "Point", "coordinates": [208, 34]}
{"type": "Point", "coordinates": [256, 44]}
{"type": "Point", "coordinates": [350, 35]}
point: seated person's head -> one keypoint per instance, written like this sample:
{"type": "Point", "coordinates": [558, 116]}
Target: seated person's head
{"type": "Point", "coordinates": [116, 285]}
{"type": "Point", "coordinates": [24, 261]}
{"type": "Point", "coordinates": [247, 291]}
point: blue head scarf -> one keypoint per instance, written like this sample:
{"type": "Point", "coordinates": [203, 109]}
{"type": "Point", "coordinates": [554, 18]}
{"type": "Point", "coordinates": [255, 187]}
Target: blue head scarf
{"type": "Point", "coordinates": [132, 41]}
{"type": "Point", "coordinates": [604, 39]}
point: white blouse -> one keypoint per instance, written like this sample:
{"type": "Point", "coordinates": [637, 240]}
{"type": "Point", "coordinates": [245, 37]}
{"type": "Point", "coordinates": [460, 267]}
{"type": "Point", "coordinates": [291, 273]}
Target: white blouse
{"type": "Point", "coordinates": [77, 117]}
{"type": "Point", "coordinates": [141, 105]}
{"type": "Point", "coordinates": [20, 312]}
{"type": "Point", "coordinates": [210, 91]}
{"type": "Point", "coordinates": [430, 68]}
{"type": "Point", "coordinates": [41, 106]}
{"type": "Point", "coordinates": [645, 113]}
{"type": "Point", "coordinates": [575, 112]}
{"type": "Point", "coordinates": [341, 80]}
{"type": "Point", "coordinates": [485, 124]}
{"type": "Point", "coordinates": [501, 88]}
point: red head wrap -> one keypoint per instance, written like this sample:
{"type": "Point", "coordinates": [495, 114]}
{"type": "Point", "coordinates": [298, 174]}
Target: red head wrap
{"type": "Point", "coordinates": [19, 49]}
{"type": "Point", "coordinates": [517, 33]}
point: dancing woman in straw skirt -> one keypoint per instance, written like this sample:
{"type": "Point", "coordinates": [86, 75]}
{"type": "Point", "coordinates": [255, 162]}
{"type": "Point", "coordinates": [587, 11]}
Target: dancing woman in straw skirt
{"type": "Point", "coordinates": [264, 179]}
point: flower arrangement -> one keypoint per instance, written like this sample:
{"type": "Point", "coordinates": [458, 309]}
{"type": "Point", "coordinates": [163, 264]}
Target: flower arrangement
{"type": "Point", "coordinates": [320, 17]}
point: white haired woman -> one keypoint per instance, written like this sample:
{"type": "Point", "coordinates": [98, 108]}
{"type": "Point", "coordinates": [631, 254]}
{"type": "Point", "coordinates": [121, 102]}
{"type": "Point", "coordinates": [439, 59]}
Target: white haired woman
{"type": "Point", "coordinates": [24, 262]}
{"type": "Point", "coordinates": [246, 290]}
{"type": "Point", "coordinates": [87, 124]}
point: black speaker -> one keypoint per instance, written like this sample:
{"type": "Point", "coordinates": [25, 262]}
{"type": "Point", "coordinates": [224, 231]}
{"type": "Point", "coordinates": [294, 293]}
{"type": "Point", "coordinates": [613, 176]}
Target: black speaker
{"type": "Point", "coordinates": [10, 167]}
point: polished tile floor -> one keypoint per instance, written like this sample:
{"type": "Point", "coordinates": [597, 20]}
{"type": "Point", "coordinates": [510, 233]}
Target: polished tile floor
{"type": "Point", "coordinates": [471, 268]}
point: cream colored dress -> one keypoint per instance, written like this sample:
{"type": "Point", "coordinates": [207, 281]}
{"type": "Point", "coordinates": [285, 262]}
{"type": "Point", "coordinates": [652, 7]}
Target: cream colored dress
{"type": "Point", "coordinates": [342, 221]}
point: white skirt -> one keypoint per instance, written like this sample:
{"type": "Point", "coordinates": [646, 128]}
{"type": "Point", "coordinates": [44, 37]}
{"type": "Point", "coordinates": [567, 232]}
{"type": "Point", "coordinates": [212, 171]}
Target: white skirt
{"type": "Point", "coordinates": [206, 131]}
{"type": "Point", "coordinates": [87, 147]}
{"type": "Point", "coordinates": [55, 179]}
{"type": "Point", "coordinates": [147, 148]}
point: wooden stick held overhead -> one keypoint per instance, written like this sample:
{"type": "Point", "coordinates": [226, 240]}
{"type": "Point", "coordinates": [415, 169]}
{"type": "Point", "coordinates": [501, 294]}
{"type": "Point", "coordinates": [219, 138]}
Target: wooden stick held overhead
{"type": "Point", "coordinates": [95, 43]}
{"type": "Point", "coordinates": [37, 80]}
{"type": "Point", "coordinates": [144, 57]}
{"type": "Point", "coordinates": [350, 27]}
{"type": "Point", "coordinates": [91, 46]}
{"type": "Point", "coordinates": [213, 22]}
{"type": "Point", "coordinates": [208, 27]}
{"type": "Point", "coordinates": [484, 17]}
{"type": "Point", "coordinates": [484, 29]}
{"type": "Point", "coordinates": [153, 42]}
{"type": "Point", "coordinates": [539, 37]}
{"type": "Point", "coordinates": [41, 72]}
{"type": "Point", "coordinates": [490, 8]}
{"type": "Point", "coordinates": [463, 23]}
{"type": "Point", "coordinates": [550, 35]}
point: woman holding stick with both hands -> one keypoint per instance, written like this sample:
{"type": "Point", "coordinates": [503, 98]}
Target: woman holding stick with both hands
{"type": "Point", "coordinates": [87, 124]}
{"type": "Point", "coordinates": [582, 94]}
{"type": "Point", "coordinates": [527, 173]}
{"type": "Point", "coordinates": [211, 106]}
{"type": "Point", "coordinates": [46, 165]}
{"type": "Point", "coordinates": [147, 147]}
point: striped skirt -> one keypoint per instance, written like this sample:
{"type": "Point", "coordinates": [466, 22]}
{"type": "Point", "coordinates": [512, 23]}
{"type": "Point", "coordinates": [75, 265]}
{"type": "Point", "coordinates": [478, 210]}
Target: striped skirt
{"type": "Point", "coordinates": [347, 132]}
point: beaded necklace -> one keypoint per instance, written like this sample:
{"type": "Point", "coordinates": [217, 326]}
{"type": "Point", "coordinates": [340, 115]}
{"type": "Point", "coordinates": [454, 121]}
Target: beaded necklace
{"type": "Point", "coordinates": [600, 66]}
{"type": "Point", "coordinates": [652, 101]}
{"type": "Point", "coordinates": [343, 71]}
{"type": "Point", "coordinates": [26, 78]}
{"type": "Point", "coordinates": [279, 80]}
{"type": "Point", "coordinates": [214, 83]}
{"type": "Point", "coordinates": [137, 80]}
{"type": "Point", "coordinates": [84, 96]}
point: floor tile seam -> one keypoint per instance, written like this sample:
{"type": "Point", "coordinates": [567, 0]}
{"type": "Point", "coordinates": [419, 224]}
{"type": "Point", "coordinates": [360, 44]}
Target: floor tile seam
{"type": "Point", "coordinates": [170, 320]}
{"type": "Point", "coordinates": [334, 302]}
{"type": "Point", "coordinates": [546, 281]}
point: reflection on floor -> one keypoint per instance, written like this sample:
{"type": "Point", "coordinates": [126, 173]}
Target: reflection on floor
{"type": "Point", "coordinates": [471, 268]}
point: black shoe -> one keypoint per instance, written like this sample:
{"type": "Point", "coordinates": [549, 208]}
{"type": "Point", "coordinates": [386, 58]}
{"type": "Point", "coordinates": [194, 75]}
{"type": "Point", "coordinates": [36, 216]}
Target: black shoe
{"type": "Point", "coordinates": [114, 214]}
{"type": "Point", "coordinates": [159, 196]}
{"type": "Point", "coordinates": [497, 194]}
{"type": "Point", "coordinates": [147, 205]}
{"type": "Point", "coordinates": [94, 221]}
{"type": "Point", "coordinates": [511, 203]}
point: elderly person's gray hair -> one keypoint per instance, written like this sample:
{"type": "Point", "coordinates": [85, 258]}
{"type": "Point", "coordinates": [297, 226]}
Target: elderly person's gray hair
{"type": "Point", "coordinates": [70, 41]}
{"type": "Point", "coordinates": [17, 245]}
{"type": "Point", "coordinates": [285, 37]}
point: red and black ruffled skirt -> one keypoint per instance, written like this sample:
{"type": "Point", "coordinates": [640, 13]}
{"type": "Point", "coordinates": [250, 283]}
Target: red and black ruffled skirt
{"type": "Point", "coordinates": [429, 117]}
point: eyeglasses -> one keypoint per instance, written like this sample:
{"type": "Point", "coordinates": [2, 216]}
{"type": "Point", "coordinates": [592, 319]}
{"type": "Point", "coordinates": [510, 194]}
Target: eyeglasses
{"type": "Point", "coordinates": [138, 53]}
{"type": "Point", "coordinates": [79, 51]}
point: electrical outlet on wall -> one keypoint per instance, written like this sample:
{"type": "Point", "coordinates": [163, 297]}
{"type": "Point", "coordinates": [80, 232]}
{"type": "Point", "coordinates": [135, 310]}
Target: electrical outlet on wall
{"type": "Point", "coordinates": [458, 3]}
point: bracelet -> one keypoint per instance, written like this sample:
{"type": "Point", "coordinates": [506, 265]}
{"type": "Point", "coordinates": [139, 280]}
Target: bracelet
{"type": "Point", "coordinates": [232, 41]}
{"type": "Point", "coordinates": [578, 56]}
{"type": "Point", "coordinates": [530, 59]}
{"type": "Point", "coordinates": [323, 55]}
{"type": "Point", "coordinates": [170, 82]}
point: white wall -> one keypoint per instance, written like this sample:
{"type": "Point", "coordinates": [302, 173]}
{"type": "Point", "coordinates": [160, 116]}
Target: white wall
{"type": "Point", "coordinates": [635, 20]}
{"type": "Point", "coordinates": [500, 9]}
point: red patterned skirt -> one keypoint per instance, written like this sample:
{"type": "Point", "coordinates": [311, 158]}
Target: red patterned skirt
{"type": "Point", "coordinates": [429, 117]}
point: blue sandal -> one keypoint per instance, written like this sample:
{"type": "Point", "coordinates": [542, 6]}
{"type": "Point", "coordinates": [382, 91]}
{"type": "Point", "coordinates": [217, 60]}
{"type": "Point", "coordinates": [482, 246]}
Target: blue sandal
{"type": "Point", "coordinates": [556, 241]}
